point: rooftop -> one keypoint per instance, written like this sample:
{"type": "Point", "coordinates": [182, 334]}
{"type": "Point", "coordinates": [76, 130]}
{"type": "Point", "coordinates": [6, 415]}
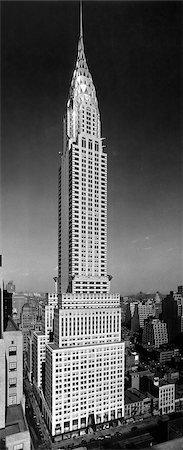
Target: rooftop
{"type": "Point", "coordinates": [15, 422]}
{"type": "Point", "coordinates": [132, 395]}
{"type": "Point", "coordinates": [11, 325]}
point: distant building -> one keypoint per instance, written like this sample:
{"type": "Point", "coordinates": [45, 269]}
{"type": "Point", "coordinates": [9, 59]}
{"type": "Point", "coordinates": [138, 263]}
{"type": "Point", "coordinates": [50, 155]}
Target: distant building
{"type": "Point", "coordinates": [132, 307]}
{"type": "Point", "coordinates": [157, 298]}
{"type": "Point", "coordinates": [145, 309]}
{"type": "Point", "coordinates": [7, 307]}
{"type": "Point", "coordinates": [135, 322]}
{"type": "Point", "coordinates": [154, 333]}
{"type": "Point", "coordinates": [127, 313]}
{"type": "Point", "coordinates": [180, 290]}
{"type": "Point", "coordinates": [18, 300]}
{"type": "Point", "coordinates": [28, 319]}
{"type": "Point", "coordinates": [167, 355]}
{"type": "Point", "coordinates": [10, 287]}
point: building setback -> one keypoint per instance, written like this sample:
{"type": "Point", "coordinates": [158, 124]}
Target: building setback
{"type": "Point", "coordinates": [84, 365]}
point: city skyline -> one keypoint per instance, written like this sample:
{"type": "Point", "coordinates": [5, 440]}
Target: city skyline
{"type": "Point", "coordinates": [133, 55]}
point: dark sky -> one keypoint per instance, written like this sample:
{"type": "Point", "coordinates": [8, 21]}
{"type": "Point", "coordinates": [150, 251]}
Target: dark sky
{"type": "Point", "coordinates": [133, 53]}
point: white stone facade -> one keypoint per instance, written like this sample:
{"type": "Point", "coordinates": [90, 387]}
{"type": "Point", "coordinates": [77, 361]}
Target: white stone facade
{"type": "Point", "coordinates": [84, 366]}
{"type": "Point", "coordinates": [167, 398]}
{"type": "Point", "coordinates": [84, 381]}
{"type": "Point", "coordinates": [39, 341]}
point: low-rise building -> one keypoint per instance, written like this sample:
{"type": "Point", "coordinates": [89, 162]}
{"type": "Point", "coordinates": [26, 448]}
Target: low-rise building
{"type": "Point", "coordinates": [162, 392]}
{"type": "Point", "coordinates": [166, 397]}
{"type": "Point", "coordinates": [132, 359]}
{"type": "Point", "coordinates": [136, 404]}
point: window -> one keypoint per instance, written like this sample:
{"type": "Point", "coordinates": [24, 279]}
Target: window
{"type": "Point", "coordinates": [12, 366]}
{"type": "Point", "coordinates": [84, 143]}
{"type": "Point", "coordinates": [12, 351]}
{"type": "Point", "coordinates": [12, 399]}
{"type": "Point", "coordinates": [18, 447]}
{"type": "Point", "coordinates": [12, 382]}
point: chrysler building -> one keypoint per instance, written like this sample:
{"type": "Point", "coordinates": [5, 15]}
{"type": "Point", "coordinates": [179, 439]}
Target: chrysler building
{"type": "Point", "coordinates": [84, 365]}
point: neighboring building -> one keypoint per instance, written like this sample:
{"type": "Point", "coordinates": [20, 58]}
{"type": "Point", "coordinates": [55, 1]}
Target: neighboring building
{"type": "Point", "coordinates": [14, 360]}
{"type": "Point", "coordinates": [52, 298]}
{"type": "Point", "coordinates": [84, 366]}
{"type": "Point", "coordinates": [48, 320]}
{"type": "Point", "coordinates": [14, 432]}
{"type": "Point", "coordinates": [136, 404]}
{"type": "Point", "coordinates": [132, 359]}
{"type": "Point", "coordinates": [170, 315]}
{"type": "Point", "coordinates": [29, 357]}
{"type": "Point", "coordinates": [166, 398]}
{"type": "Point", "coordinates": [162, 392]}
{"type": "Point", "coordinates": [136, 376]}
{"type": "Point", "coordinates": [154, 333]}
{"type": "Point", "coordinates": [2, 387]}
{"type": "Point", "coordinates": [39, 341]}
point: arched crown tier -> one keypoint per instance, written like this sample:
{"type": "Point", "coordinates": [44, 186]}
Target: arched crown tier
{"type": "Point", "coordinates": [82, 102]}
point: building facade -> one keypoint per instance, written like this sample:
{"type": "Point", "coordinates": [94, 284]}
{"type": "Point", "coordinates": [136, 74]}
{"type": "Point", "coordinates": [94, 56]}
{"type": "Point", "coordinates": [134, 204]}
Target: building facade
{"type": "Point", "coordinates": [84, 365]}
{"type": "Point", "coordinates": [172, 317]}
{"type": "Point", "coordinates": [145, 309]}
{"type": "Point", "coordinates": [154, 333]}
{"type": "Point", "coordinates": [136, 404]}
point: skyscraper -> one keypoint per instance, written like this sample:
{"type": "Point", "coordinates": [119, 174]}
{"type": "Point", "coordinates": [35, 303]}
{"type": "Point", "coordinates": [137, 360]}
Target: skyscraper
{"type": "Point", "coordinates": [84, 366]}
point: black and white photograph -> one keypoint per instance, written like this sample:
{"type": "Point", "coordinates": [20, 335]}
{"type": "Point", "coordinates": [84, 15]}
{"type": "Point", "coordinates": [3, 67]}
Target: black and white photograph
{"type": "Point", "coordinates": [91, 208]}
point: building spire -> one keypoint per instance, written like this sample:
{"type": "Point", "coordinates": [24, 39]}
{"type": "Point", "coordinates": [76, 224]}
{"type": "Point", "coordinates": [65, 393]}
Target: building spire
{"type": "Point", "coordinates": [81, 20]}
